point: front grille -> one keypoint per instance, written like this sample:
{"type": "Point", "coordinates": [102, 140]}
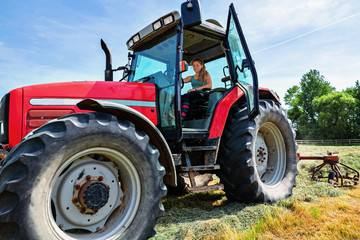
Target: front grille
{"type": "Point", "coordinates": [4, 119]}
{"type": "Point", "coordinates": [37, 117]}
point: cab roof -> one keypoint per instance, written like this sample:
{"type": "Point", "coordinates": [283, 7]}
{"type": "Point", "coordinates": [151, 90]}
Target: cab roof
{"type": "Point", "coordinates": [200, 41]}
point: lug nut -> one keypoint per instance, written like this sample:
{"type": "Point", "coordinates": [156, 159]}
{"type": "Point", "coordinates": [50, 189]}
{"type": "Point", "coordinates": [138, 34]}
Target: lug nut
{"type": "Point", "coordinates": [82, 210]}
{"type": "Point", "coordinates": [77, 186]}
{"type": "Point", "coordinates": [88, 177]}
{"type": "Point", "coordinates": [74, 200]}
{"type": "Point", "coordinates": [100, 178]}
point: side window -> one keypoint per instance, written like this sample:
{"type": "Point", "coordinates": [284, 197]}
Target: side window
{"type": "Point", "coordinates": [215, 68]}
{"type": "Point", "coordinates": [238, 54]}
{"type": "Point", "coordinates": [243, 68]}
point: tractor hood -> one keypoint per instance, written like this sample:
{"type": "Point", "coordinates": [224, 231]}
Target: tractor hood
{"type": "Point", "coordinates": [31, 106]}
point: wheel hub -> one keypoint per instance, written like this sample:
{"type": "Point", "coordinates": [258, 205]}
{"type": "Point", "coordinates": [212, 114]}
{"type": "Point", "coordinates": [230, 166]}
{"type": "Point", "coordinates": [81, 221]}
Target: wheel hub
{"type": "Point", "coordinates": [95, 195]}
{"type": "Point", "coordinates": [86, 202]}
{"type": "Point", "coordinates": [91, 194]}
{"type": "Point", "coordinates": [261, 152]}
{"type": "Point", "coordinates": [261, 155]}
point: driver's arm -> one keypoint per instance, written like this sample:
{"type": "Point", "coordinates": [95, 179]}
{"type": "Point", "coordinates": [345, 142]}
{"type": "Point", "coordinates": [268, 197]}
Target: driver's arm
{"type": "Point", "coordinates": [187, 79]}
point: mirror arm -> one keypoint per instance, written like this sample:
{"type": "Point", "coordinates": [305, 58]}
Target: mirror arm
{"type": "Point", "coordinates": [119, 68]}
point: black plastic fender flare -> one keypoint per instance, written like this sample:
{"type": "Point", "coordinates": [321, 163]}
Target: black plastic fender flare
{"type": "Point", "coordinates": [142, 123]}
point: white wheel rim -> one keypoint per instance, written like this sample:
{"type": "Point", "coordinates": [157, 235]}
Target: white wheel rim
{"type": "Point", "coordinates": [115, 216]}
{"type": "Point", "coordinates": [270, 154]}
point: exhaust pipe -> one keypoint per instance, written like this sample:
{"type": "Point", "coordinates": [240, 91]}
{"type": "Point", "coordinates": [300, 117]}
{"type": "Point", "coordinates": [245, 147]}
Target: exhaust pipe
{"type": "Point", "coordinates": [108, 67]}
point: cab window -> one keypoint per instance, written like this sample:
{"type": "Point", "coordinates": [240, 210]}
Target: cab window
{"type": "Point", "coordinates": [215, 69]}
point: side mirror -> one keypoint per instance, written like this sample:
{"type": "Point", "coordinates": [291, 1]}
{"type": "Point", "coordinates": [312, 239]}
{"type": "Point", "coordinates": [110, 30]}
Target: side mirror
{"type": "Point", "coordinates": [190, 13]}
{"type": "Point", "coordinates": [226, 73]}
{"type": "Point", "coordinates": [184, 66]}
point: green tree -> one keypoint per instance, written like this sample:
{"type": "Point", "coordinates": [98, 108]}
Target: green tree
{"type": "Point", "coordinates": [312, 85]}
{"type": "Point", "coordinates": [336, 114]}
{"type": "Point", "coordinates": [355, 92]}
{"type": "Point", "coordinates": [292, 99]}
{"type": "Point", "coordinates": [300, 101]}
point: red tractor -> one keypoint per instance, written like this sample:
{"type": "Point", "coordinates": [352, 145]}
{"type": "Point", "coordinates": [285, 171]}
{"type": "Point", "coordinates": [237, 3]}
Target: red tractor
{"type": "Point", "coordinates": [93, 160]}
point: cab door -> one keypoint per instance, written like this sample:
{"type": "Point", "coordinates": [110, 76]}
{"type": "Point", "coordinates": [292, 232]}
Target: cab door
{"type": "Point", "coordinates": [242, 67]}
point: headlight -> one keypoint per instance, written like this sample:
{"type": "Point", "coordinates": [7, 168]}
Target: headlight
{"type": "Point", "coordinates": [168, 20]}
{"type": "Point", "coordinates": [130, 43]}
{"type": "Point", "coordinates": [136, 38]}
{"type": "Point", "coordinates": [157, 25]}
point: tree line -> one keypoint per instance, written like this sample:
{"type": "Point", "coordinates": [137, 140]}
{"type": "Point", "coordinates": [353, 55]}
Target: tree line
{"type": "Point", "coordinates": [318, 111]}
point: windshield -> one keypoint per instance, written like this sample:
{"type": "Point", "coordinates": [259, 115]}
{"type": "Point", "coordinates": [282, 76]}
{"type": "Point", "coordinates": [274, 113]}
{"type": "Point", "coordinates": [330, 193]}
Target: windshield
{"type": "Point", "coordinates": [155, 63]}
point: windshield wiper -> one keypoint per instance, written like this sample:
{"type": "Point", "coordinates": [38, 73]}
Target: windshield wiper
{"type": "Point", "coordinates": [144, 79]}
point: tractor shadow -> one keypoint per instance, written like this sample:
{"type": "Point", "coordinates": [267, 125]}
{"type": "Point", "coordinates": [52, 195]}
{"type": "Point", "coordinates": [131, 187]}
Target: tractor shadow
{"type": "Point", "coordinates": [203, 206]}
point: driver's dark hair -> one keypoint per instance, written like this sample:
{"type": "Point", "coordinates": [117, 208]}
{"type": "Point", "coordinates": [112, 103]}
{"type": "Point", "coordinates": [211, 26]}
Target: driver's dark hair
{"type": "Point", "coordinates": [203, 73]}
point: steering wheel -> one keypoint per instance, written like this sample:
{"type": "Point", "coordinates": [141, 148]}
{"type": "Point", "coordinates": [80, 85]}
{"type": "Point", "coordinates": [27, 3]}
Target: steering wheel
{"type": "Point", "coordinates": [182, 83]}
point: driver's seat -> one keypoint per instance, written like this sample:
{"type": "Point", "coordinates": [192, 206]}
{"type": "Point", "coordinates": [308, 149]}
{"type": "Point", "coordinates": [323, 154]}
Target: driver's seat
{"type": "Point", "coordinates": [198, 107]}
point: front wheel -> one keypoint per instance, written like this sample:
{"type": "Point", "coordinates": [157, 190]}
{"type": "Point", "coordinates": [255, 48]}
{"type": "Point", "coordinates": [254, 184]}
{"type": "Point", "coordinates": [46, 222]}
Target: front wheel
{"type": "Point", "coordinates": [84, 176]}
{"type": "Point", "coordinates": [258, 158]}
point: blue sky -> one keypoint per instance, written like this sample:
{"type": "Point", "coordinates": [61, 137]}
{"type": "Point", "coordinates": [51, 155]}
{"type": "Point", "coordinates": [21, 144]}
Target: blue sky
{"type": "Point", "coordinates": [54, 41]}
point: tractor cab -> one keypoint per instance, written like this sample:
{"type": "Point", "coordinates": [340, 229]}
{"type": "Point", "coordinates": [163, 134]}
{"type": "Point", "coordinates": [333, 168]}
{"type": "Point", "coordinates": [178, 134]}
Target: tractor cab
{"type": "Point", "coordinates": [161, 54]}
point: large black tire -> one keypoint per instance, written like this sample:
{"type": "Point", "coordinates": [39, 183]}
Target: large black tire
{"type": "Point", "coordinates": [258, 158]}
{"type": "Point", "coordinates": [93, 160]}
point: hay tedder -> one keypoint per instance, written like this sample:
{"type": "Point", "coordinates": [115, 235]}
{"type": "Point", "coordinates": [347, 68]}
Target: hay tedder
{"type": "Point", "coordinates": [336, 176]}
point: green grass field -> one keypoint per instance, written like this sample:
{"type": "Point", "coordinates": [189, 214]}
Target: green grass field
{"type": "Point", "coordinates": [316, 210]}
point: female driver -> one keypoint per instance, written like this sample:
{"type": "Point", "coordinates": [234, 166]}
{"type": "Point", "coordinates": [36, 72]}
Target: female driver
{"type": "Point", "coordinates": [201, 81]}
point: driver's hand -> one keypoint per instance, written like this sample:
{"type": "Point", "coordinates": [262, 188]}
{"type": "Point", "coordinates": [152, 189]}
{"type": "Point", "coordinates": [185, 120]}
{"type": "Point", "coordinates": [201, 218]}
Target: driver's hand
{"type": "Point", "coordinates": [191, 90]}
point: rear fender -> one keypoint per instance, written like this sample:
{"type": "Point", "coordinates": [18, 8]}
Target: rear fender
{"type": "Point", "coordinates": [141, 123]}
{"type": "Point", "coordinates": [265, 93]}
{"type": "Point", "coordinates": [236, 95]}
{"type": "Point", "coordinates": [222, 111]}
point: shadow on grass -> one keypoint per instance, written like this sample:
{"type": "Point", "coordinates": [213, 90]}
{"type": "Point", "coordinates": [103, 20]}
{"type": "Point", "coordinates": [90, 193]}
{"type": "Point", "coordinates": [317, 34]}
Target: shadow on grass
{"type": "Point", "coordinates": [198, 215]}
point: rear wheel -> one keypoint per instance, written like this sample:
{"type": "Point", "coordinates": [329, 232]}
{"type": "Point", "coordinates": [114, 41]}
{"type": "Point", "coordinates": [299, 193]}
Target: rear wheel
{"type": "Point", "coordinates": [258, 158]}
{"type": "Point", "coordinates": [84, 176]}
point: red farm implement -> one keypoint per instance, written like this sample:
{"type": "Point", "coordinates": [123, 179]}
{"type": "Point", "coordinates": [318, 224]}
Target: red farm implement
{"type": "Point", "coordinates": [336, 177]}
